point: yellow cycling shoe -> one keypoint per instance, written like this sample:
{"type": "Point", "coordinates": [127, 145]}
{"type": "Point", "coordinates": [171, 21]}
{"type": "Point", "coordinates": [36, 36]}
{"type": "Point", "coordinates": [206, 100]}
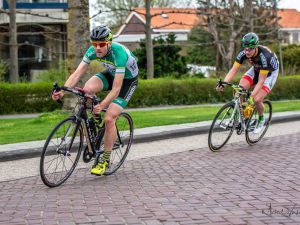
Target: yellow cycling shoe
{"type": "Point", "coordinates": [100, 168]}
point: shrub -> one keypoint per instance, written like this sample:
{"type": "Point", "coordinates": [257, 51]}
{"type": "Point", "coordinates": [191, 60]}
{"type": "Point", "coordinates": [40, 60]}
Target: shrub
{"type": "Point", "coordinates": [3, 70]}
{"type": "Point", "coordinates": [290, 58]}
{"type": "Point", "coordinates": [34, 97]}
{"type": "Point", "coordinates": [54, 75]}
{"type": "Point", "coordinates": [26, 98]}
{"type": "Point", "coordinates": [165, 55]}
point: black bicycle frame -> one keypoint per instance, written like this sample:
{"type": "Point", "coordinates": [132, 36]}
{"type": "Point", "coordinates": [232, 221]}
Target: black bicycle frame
{"type": "Point", "coordinates": [82, 118]}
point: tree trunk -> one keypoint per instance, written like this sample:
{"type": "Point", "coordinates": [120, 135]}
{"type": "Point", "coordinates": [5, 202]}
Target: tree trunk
{"type": "Point", "coordinates": [248, 13]}
{"type": "Point", "coordinates": [149, 45]}
{"type": "Point", "coordinates": [13, 44]}
{"type": "Point", "coordinates": [78, 30]}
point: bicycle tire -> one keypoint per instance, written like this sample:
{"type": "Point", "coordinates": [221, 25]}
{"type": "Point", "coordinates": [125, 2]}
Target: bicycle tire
{"type": "Point", "coordinates": [251, 138]}
{"type": "Point", "coordinates": [70, 128]}
{"type": "Point", "coordinates": [220, 126]}
{"type": "Point", "coordinates": [123, 143]}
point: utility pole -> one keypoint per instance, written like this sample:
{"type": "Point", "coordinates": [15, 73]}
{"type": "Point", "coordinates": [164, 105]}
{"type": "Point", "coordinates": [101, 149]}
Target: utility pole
{"type": "Point", "coordinates": [13, 44]}
{"type": "Point", "coordinates": [149, 44]}
{"type": "Point", "coordinates": [279, 38]}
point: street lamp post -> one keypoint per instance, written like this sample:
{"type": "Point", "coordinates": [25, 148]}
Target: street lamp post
{"type": "Point", "coordinates": [279, 37]}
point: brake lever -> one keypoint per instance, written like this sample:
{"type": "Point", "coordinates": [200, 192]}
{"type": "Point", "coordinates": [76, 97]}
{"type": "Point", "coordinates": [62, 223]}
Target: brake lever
{"type": "Point", "coordinates": [55, 89]}
{"type": "Point", "coordinates": [220, 84]}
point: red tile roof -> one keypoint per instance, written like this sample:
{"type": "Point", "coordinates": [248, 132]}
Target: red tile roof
{"type": "Point", "coordinates": [290, 18]}
{"type": "Point", "coordinates": [172, 18]}
{"type": "Point", "coordinates": [186, 18]}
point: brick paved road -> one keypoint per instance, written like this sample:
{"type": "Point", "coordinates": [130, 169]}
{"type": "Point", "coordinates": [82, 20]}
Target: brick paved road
{"type": "Point", "coordinates": [235, 186]}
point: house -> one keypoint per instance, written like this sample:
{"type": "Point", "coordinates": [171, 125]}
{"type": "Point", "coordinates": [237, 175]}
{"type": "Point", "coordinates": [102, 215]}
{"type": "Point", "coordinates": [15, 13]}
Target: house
{"type": "Point", "coordinates": [181, 21]}
{"type": "Point", "coordinates": [289, 22]}
{"type": "Point", "coordinates": [41, 34]}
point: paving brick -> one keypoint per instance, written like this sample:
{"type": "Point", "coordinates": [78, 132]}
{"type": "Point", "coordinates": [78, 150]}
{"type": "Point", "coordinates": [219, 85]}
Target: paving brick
{"type": "Point", "coordinates": [233, 186]}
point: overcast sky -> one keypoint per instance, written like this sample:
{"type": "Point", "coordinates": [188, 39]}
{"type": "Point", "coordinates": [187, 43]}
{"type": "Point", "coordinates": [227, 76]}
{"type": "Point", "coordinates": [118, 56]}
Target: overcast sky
{"type": "Point", "coordinates": [289, 4]}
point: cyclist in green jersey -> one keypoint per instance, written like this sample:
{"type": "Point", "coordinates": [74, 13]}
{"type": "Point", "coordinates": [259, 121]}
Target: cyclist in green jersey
{"type": "Point", "coordinates": [120, 77]}
{"type": "Point", "coordinates": [262, 74]}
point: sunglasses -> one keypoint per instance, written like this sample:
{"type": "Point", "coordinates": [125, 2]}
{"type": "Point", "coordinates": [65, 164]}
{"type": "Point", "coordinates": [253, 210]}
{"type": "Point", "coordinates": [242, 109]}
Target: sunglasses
{"type": "Point", "coordinates": [100, 43]}
{"type": "Point", "coordinates": [248, 49]}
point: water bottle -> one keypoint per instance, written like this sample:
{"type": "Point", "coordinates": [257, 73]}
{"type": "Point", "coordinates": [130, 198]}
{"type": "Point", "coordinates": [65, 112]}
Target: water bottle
{"type": "Point", "coordinates": [247, 111]}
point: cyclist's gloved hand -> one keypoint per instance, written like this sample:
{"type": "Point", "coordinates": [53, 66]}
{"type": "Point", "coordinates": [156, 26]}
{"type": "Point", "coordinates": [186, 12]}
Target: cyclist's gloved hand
{"type": "Point", "coordinates": [97, 109]}
{"type": "Point", "coordinates": [219, 87]}
{"type": "Point", "coordinates": [57, 95]}
{"type": "Point", "coordinates": [250, 101]}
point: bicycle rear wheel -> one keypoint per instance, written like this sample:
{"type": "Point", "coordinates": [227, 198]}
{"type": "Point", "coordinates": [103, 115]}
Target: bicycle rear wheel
{"type": "Point", "coordinates": [124, 125]}
{"type": "Point", "coordinates": [222, 127]}
{"type": "Point", "coordinates": [251, 137]}
{"type": "Point", "coordinates": [61, 152]}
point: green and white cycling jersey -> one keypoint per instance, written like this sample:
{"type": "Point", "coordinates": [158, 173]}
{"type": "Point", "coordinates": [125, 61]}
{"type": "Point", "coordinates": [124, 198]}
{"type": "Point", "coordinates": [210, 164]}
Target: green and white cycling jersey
{"type": "Point", "coordinates": [120, 60]}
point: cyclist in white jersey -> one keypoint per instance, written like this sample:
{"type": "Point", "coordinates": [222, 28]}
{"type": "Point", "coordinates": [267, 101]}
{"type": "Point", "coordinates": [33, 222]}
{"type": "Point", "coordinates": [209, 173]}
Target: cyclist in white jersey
{"type": "Point", "coordinates": [120, 77]}
{"type": "Point", "coordinates": [262, 74]}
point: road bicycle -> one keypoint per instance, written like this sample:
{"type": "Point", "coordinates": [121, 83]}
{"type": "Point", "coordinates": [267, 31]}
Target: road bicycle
{"type": "Point", "coordinates": [240, 116]}
{"type": "Point", "coordinates": [63, 147]}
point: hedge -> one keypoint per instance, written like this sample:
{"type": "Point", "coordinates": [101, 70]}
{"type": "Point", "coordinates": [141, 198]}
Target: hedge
{"type": "Point", "coordinates": [34, 97]}
{"type": "Point", "coordinates": [26, 98]}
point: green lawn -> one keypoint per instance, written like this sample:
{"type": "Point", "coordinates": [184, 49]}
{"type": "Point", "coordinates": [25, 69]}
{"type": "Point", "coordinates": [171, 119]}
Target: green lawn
{"type": "Point", "coordinates": [20, 130]}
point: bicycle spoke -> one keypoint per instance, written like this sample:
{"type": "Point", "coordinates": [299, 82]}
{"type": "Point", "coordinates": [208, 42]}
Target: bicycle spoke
{"type": "Point", "coordinates": [251, 136]}
{"type": "Point", "coordinates": [123, 142]}
{"type": "Point", "coordinates": [60, 155]}
{"type": "Point", "coordinates": [222, 127]}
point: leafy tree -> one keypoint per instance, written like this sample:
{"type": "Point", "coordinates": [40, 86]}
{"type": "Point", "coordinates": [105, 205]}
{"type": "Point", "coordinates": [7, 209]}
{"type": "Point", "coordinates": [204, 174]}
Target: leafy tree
{"type": "Point", "coordinates": [114, 12]}
{"type": "Point", "coordinates": [202, 50]}
{"type": "Point", "coordinates": [167, 59]}
{"type": "Point", "coordinates": [291, 58]}
{"type": "Point", "coordinates": [229, 20]}
{"type": "Point", "coordinates": [4, 69]}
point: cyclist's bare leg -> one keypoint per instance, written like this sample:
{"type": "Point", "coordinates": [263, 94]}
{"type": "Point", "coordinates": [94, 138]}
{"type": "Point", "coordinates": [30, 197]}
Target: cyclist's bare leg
{"type": "Point", "coordinates": [245, 84]}
{"type": "Point", "coordinates": [110, 118]}
{"type": "Point", "coordinates": [93, 85]}
{"type": "Point", "coordinates": [258, 101]}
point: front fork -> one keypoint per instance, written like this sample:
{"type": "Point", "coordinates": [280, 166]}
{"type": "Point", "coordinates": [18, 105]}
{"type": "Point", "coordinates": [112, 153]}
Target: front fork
{"type": "Point", "coordinates": [239, 110]}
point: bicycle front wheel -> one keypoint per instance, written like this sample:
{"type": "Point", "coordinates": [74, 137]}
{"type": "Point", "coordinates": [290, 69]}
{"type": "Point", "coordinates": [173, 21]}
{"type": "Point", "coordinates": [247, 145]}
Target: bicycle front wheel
{"type": "Point", "coordinates": [124, 125]}
{"type": "Point", "coordinates": [251, 136]}
{"type": "Point", "coordinates": [222, 127]}
{"type": "Point", "coordinates": [61, 152]}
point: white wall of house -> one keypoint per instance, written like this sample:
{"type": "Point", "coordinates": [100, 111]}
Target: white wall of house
{"type": "Point", "coordinates": [139, 37]}
{"type": "Point", "coordinates": [47, 16]}
{"type": "Point", "coordinates": [293, 35]}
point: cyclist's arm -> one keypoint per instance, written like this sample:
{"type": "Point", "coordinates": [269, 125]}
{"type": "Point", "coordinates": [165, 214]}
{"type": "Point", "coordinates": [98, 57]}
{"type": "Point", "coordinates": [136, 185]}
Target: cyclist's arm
{"type": "Point", "coordinates": [261, 79]}
{"type": "Point", "coordinates": [116, 87]}
{"type": "Point", "coordinates": [232, 72]}
{"type": "Point", "coordinates": [75, 77]}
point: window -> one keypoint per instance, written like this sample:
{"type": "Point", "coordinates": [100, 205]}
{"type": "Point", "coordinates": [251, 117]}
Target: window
{"type": "Point", "coordinates": [41, 1]}
{"type": "Point", "coordinates": [295, 37]}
